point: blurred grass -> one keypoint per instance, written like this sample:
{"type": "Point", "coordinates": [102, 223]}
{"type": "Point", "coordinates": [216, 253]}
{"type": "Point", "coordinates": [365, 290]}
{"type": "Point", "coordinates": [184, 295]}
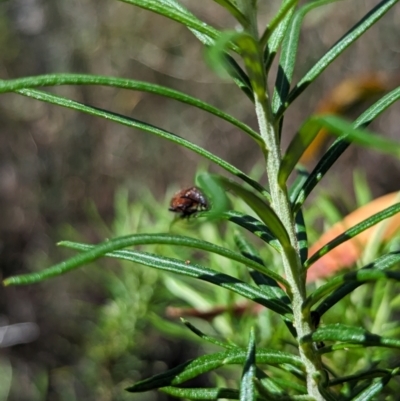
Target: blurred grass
{"type": "Point", "coordinates": [54, 162]}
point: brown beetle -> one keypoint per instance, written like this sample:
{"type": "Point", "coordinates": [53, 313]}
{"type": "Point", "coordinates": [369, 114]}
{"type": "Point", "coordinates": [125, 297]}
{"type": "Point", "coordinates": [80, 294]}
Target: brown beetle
{"type": "Point", "coordinates": [188, 201]}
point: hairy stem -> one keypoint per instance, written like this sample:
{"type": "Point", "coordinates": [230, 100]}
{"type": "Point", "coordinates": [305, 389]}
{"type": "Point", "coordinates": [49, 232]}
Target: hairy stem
{"type": "Point", "coordinates": [293, 269]}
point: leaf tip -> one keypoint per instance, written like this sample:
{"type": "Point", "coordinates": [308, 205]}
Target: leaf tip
{"type": "Point", "coordinates": [10, 281]}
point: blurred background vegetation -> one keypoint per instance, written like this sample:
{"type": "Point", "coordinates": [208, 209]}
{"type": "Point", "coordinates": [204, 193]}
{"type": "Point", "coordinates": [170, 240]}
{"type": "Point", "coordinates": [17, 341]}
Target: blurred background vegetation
{"type": "Point", "coordinates": [66, 175]}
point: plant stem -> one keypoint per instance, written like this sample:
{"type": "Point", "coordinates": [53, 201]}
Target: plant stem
{"type": "Point", "coordinates": [293, 269]}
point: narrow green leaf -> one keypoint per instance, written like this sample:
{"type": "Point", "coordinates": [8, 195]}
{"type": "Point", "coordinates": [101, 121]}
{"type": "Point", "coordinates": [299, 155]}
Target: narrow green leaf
{"type": "Point", "coordinates": [267, 388]}
{"type": "Point", "coordinates": [253, 61]}
{"type": "Point", "coordinates": [350, 334]}
{"type": "Point", "coordinates": [234, 11]}
{"type": "Point", "coordinates": [353, 231]}
{"type": "Point", "coordinates": [364, 375]}
{"type": "Point", "coordinates": [246, 248]}
{"type": "Point", "coordinates": [336, 126]}
{"type": "Point", "coordinates": [290, 384]}
{"type": "Point", "coordinates": [341, 144]}
{"type": "Point", "coordinates": [267, 215]}
{"type": "Point", "coordinates": [338, 347]}
{"type": "Point", "coordinates": [122, 83]}
{"type": "Point", "coordinates": [203, 32]}
{"type": "Point", "coordinates": [300, 180]}
{"type": "Point", "coordinates": [206, 337]}
{"type": "Point", "coordinates": [215, 194]}
{"type": "Point", "coordinates": [239, 76]}
{"type": "Point", "coordinates": [275, 39]}
{"type": "Point", "coordinates": [275, 230]}
{"type": "Point", "coordinates": [184, 268]}
{"type": "Point", "coordinates": [247, 384]}
{"type": "Point", "coordinates": [216, 55]}
{"type": "Point", "coordinates": [263, 209]}
{"type": "Point", "coordinates": [381, 264]}
{"type": "Point", "coordinates": [175, 11]}
{"type": "Point", "coordinates": [255, 226]}
{"type": "Point", "coordinates": [301, 234]}
{"type": "Point", "coordinates": [359, 276]}
{"type": "Point", "coordinates": [140, 239]}
{"type": "Point", "coordinates": [267, 283]}
{"type": "Point", "coordinates": [273, 388]}
{"type": "Point", "coordinates": [248, 49]}
{"type": "Point", "coordinates": [219, 393]}
{"type": "Point", "coordinates": [130, 122]}
{"type": "Point", "coordinates": [373, 389]}
{"type": "Point", "coordinates": [202, 394]}
{"type": "Point", "coordinates": [276, 22]}
{"type": "Point", "coordinates": [339, 47]}
{"type": "Point", "coordinates": [378, 108]}
{"type": "Point", "coordinates": [207, 363]}
{"type": "Point", "coordinates": [253, 200]}
{"type": "Point", "coordinates": [288, 56]}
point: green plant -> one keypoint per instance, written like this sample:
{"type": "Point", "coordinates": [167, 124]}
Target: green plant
{"type": "Point", "coordinates": [278, 281]}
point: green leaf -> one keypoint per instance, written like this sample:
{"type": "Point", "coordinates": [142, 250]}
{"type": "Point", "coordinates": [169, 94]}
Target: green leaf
{"type": "Point", "coordinates": [137, 239]}
{"type": "Point", "coordinates": [373, 389]}
{"type": "Point", "coordinates": [290, 384]}
{"type": "Point", "coordinates": [248, 49]}
{"type": "Point", "coordinates": [263, 281]}
{"type": "Point", "coordinates": [276, 389]}
{"type": "Point", "coordinates": [267, 388]}
{"type": "Point", "coordinates": [216, 393]}
{"type": "Point", "coordinates": [175, 11]}
{"type": "Point", "coordinates": [334, 125]}
{"type": "Point", "coordinates": [288, 56]}
{"type": "Point", "coordinates": [350, 334]}
{"type": "Point", "coordinates": [204, 33]}
{"type": "Point", "coordinates": [246, 248]}
{"type": "Point", "coordinates": [247, 384]}
{"type": "Point", "coordinates": [239, 76]}
{"type": "Point", "coordinates": [207, 363]}
{"type": "Point", "coordinates": [234, 11]}
{"type": "Point", "coordinates": [339, 47]}
{"type": "Point", "coordinates": [301, 234]}
{"type": "Point", "coordinates": [130, 122]}
{"type": "Point", "coordinates": [381, 264]}
{"type": "Point", "coordinates": [357, 377]}
{"type": "Point", "coordinates": [184, 268]}
{"type": "Point", "coordinates": [206, 337]}
{"type": "Point", "coordinates": [216, 55]}
{"type": "Point", "coordinates": [268, 216]}
{"type": "Point", "coordinates": [353, 231]}
{"type": "Point", "coordinates": [341, 144]}
{"type": "Point", "coordinates": [275, 38]}
{"type": "Point", "coordinates": [130, 84]}
{"type": "Point", "coordinates": [366, 391]}
{"type": "Point", "coordinates": [378, 108]}
{"type": "Point", "coordinates": [276, 22]}
{"type": "Point", "coordinates": [337, 126]}
{"type": "Point", "coordinates": [215, 194]}
{"type": "Point", "coordinates": [300, 180]}
{"type": "Point", "coordinates": [252, 199]}
{"type": "Point", "coordinates": [267, 283]}
{"type": "Point", "coordinates": [219, 393]}
{"type": "Point", "coordinates": [360, 276]}
{"type": "Point", "coordinates": [253, 61]}
{"type": "Point", "coordinates": [262, 208]}
{"type": "Point", "coordinates": [253, 225]}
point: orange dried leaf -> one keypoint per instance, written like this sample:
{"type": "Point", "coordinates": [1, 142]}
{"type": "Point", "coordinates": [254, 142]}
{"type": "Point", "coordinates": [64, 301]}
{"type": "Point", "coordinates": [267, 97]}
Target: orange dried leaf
{"type": "Point", "coordinates": [346, 255]}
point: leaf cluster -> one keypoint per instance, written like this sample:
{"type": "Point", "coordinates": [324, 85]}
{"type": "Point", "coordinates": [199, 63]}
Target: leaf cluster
{"type": "Point", "coordinates": [246, 57]}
